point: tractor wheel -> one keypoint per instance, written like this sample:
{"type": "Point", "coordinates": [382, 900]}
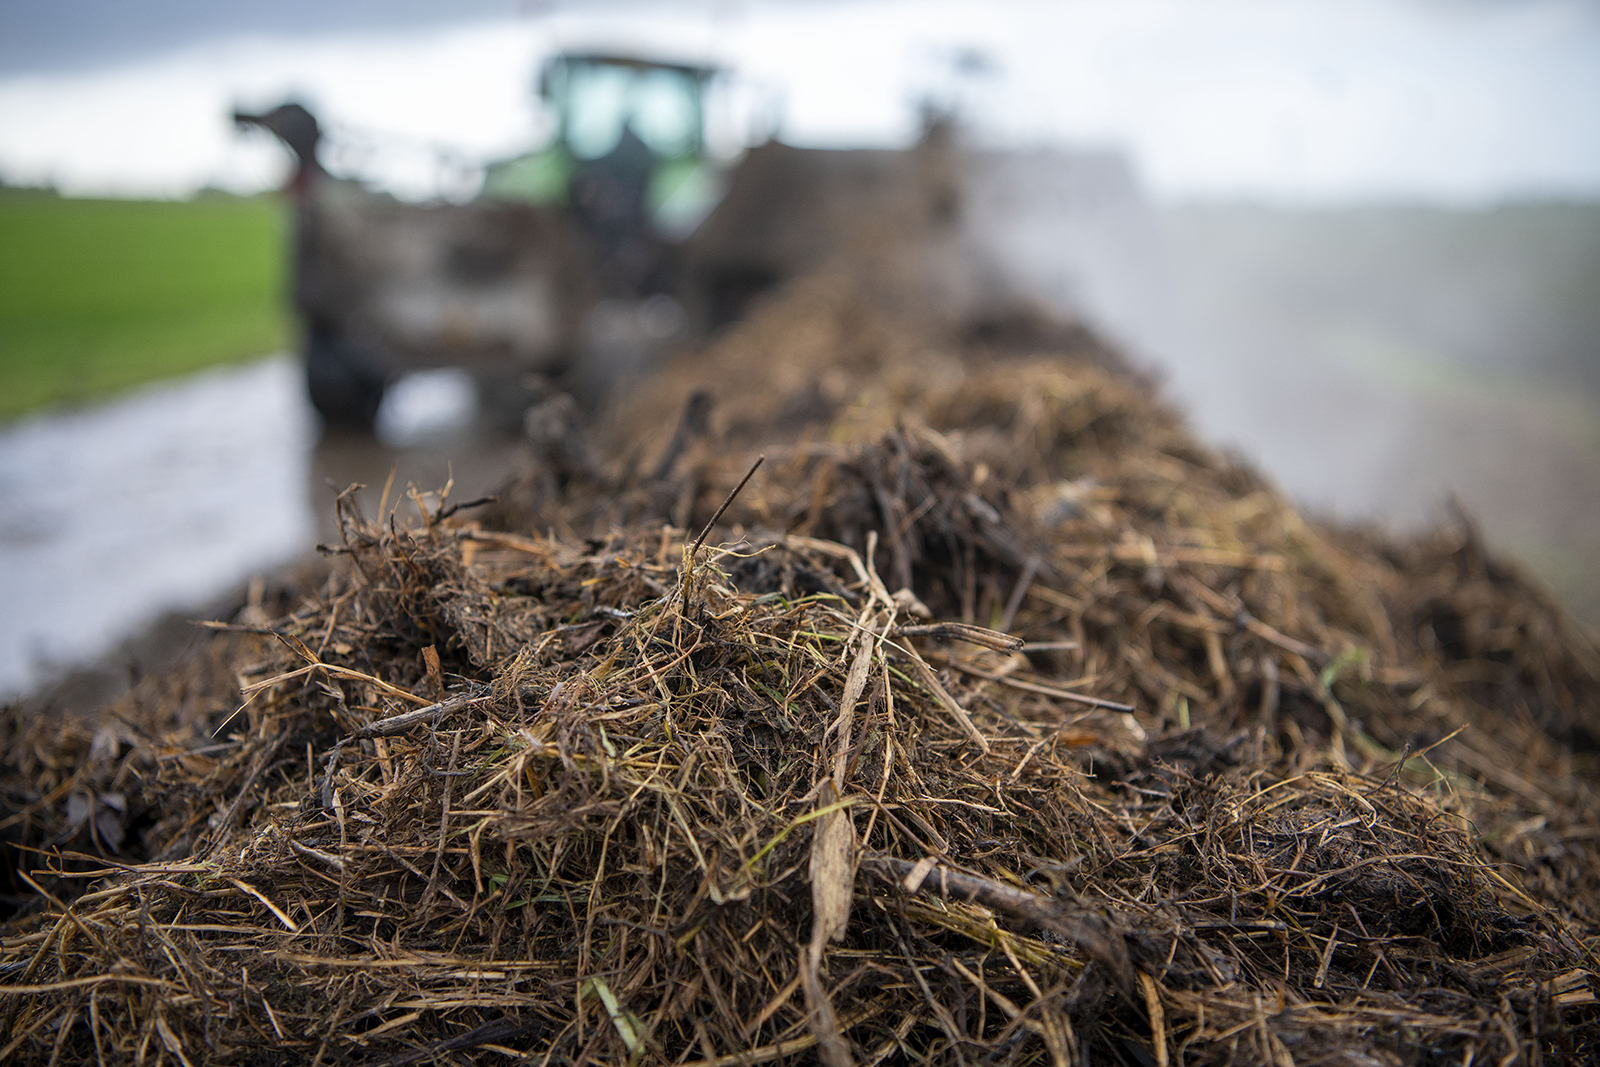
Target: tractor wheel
{"type": "Point", "coordinates": [345, 383]}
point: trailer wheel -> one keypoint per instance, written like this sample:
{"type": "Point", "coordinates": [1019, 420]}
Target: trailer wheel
{"type": "Point", "coordinates": [345, 383]}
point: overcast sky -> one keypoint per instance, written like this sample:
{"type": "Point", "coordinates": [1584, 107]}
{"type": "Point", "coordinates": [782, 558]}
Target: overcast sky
{"type": "Point", "coordinates": [45, 35]}
{"type": "Point", "coordinates": [1290, 100]}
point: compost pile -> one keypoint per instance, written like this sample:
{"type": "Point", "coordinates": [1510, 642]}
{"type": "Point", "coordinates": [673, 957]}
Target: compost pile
{"type": "Point", "coordinates": [993, 720]}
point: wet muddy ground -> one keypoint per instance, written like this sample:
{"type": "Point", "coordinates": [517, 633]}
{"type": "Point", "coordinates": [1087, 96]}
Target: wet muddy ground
{"type": "Point", "coordinates": [169, 497]}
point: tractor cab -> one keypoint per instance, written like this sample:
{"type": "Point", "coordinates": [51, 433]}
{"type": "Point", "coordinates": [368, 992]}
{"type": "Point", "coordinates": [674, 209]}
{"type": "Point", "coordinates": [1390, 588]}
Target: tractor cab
{"type": "Point", "coordinates": [628, 156]}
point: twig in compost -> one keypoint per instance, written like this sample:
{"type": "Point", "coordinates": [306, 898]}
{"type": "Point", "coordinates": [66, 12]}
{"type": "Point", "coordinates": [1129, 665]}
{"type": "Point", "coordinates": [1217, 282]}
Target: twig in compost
{"type": "Point", "coordinates": [832, 864]}
{"type": "Point", "coordinates": [283, 916]}
{"type": "Point", "coordinates": [1283, 641]}
{"type": "Point", "coordinates": [399, 724]}
{"type": "Point", "coordinates": [962, 631]}
{"type": "Point", "coordinates": [698, 541]}
{"type": "Point", "coordinates": [1158, 1018]}
{"type": "Point", "coordinates": [453, 508]}
{"type": "Point", "coordinates": [325, 791]}
{"type": "Point", "coordinates": [444, 824]}
{"type": "Point", "coordinates": [1032, 687]}
{"type": "Point", "coordinates": [1086, 931]}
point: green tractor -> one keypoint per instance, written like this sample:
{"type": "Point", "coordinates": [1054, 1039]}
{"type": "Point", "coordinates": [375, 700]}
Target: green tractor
{"type": "Point", "coordinates": [506, 285]}
{"type": "Point", "coordinates": [579, 262]}
{"type": "Point", "coordinates": [629, 144]}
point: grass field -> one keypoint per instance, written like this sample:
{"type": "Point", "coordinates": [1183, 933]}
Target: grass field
{"type": "Point", "coordinates": [99, 295]}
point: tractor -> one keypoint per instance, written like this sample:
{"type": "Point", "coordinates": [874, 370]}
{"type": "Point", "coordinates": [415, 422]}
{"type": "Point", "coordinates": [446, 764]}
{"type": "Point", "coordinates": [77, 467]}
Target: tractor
{"type": "Point", "coordinates": [579, 263]}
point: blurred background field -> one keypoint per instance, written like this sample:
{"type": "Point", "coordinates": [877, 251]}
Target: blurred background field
{"type": "Point", "coordinates": [1378, 361]}
{"type": "Point", "coordinates": [100, 295]}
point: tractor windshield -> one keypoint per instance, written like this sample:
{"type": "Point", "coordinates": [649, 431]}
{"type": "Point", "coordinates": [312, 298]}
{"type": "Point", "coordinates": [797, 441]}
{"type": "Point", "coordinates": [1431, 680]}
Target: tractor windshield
{"type": "Point", "coordinates": [597, 99]}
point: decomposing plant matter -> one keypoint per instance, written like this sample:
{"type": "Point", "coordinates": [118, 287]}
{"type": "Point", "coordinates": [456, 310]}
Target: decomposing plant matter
{"type": "Point", "coordinates": [996, 722]}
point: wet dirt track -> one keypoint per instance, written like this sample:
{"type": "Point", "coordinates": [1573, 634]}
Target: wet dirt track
{"type": "Point", "coordinates": [170, 497]}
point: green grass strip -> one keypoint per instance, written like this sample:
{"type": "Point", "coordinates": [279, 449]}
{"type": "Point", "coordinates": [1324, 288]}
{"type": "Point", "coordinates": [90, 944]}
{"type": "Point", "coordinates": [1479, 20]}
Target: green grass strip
{"type": "Point", "coordinates": [100, 295]}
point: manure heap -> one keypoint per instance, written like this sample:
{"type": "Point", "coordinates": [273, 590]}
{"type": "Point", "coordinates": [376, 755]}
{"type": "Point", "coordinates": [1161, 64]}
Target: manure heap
{"type": "Point", "coordinates": [996, 721]}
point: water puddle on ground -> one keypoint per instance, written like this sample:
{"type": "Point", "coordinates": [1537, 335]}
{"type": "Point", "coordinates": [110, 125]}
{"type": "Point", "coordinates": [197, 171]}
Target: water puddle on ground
{"type": "Point", "coordinates": [167, 498]}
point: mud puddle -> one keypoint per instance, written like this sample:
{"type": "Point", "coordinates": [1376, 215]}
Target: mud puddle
{"type": "Point", "coordinates": [166, 499]}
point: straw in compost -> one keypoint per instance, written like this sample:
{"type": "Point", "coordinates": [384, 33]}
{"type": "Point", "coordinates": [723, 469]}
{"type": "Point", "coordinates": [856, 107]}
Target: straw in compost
{"type": "Point", "coordinates": [995, 721]}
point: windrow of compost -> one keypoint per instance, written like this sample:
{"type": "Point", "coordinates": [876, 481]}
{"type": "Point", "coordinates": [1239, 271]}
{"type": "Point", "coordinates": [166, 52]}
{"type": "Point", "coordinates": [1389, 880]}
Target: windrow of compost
{"type": "Point", "coordinates": [994, 720]}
